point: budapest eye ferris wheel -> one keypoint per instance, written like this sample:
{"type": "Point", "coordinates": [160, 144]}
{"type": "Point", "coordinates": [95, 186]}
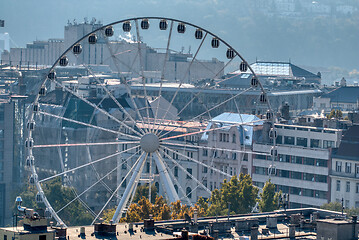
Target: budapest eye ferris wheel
{"type": "Point", "coordinates": [105, 134]}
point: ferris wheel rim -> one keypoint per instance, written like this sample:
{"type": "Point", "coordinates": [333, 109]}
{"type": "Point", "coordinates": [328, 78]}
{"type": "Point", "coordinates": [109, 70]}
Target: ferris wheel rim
{"type": "Point", "coordinates": [140, 134]}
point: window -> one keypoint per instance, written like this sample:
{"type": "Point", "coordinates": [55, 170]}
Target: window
{"type": "Point", "coordinates": [214, 153]}
{"type": "Point", "coordinates": [42, 237]}
{"type": "Point", "coordinates": [322, 163]}
{"type": "Point", "coordinates": [348, 187]}
{"type": "Point", "coordinates": [347, 204]}
{"type": "Point", "coordinates": [308, 177]}
{"type": "Point", "coordinates": [314, 143]}
{"type": "Point", "coordinates": [288, 140]}
{"type": "Point", "coordinates": [234, 138]}
{"type": "Point", "coordinates": [357, 188]}
{"type": "Point", "coordinates": [296, 175]}
{"type": "Point", "coordinates": [189, 170]}
{"type": "Point", "coordinates": [328, 144]}
{"type": "Point", "coordinates": [302, 142]}
{"type": "Point", "coordinates": [175, 170]}
{"type": "Point", "coordinates": [176, 188]}
{"type": "Point", "coordinates": [338, 166]}
{"type": "Point", "coordinates": [279, 139]}
{"type": "Point", "coordinates": [224, 137]}
{"type": "Point", "coordinates": [190, 154]}
{"type": "Point", "coordinates": [147, 167]}
{"type": "Point", "coordinates": [245, 157]}
{"type": "Point", "coordinates": [205, 152]}
{"type": "Point", "coordinates": [204, 169]}
{"type": "Point", "coordinates": [309, 161]}
{"type": "Point", "coordinates": [205, 183]}
{"type": "Point", "coordinates": [234, 156]}
{"type": "Point", "coordinates": [321, 178]}
{"type": "Point", "coordinates": [338, 185]}
{"type": "Point", "coordinates": [295, 191]}
{"type": "Point", "coordinates": [348, 167]}
{"type": "Point", "coordinates": [283, 173]}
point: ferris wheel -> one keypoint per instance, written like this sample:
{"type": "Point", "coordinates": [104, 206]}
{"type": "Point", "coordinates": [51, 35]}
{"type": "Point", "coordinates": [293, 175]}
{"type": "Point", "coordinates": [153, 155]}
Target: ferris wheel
{"type": "Point", "coordinates": [148, 120]}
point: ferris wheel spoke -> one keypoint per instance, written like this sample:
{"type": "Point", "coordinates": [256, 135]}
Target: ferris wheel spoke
{"type": "Point", "coordinates": [86, 164]}
{"type": "Point", "coordinates": [125, 81]}
{"type": "Point", "coordinates": [83, 144]}
{"type": "Point", "coordinates": [98, 181]}
{"type": "Point", "coordinates": [109, 94]}
{"type": "Point", "coordinates": [209, 110]}
{"type": "Point", "coordinates": [184, 76]}
{"type": "Point", "coordinates": [196, 96]}
{"type": "Point", "coordinates": [142, 73]}
{"type": "Point", "coordinates": [214, 147]}
{"type": "Point", "coordinates": [186, 172]}
{"type": "Point", "coordinates": [198, 93]}
{"type": "Point", "coordinates": [175, 179]}
{"type": "Point", "coordinates": [165, 179]}
{"type": "Point", "coordinates": [163, 72]}
{"type": "Point", "coordinates": [96, 107]}
{"type": "Point", "coordinates": [136, 165]}
{"type": "Point", "coordinates": [88, 125]}
{"type": "Point", "coordinates": [137, 170]}
{"type": "Point", "coordinates": [198, 162]}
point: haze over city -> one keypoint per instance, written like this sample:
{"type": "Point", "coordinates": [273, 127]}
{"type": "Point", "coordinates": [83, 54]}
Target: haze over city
{"type": "Point", "coordinates": [179, 119]}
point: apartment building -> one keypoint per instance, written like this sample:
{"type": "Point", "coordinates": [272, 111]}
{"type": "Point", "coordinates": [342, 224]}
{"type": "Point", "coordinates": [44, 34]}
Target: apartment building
{"type": "Point", "coordinates": [228, 147]}
{"type": "Point", "coordinates": [11, 153]}
{"type": "Point", "coordinates": [344, 171]}
{"type": "Point", "coordinates": [302, 165]}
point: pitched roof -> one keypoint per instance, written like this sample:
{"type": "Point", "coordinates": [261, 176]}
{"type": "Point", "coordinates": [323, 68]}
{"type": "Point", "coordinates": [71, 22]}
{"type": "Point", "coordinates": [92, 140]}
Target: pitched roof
{"type": "Point", "coordinates": [349, 146]}
{"type": "Point", "coordinates": [343, 94]}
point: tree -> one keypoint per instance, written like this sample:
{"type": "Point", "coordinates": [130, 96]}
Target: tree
{"type": "Point", "coordinates": [143, 191]}
{"type": "Point", "coordinates": [331, 114]}
{"type": "Point", "coordinates": [58, 195]}
{"type": "Point", "coordinates": [333, 206]}
{"type": "Point", "coordinates": [238, 192]}
{"type": "Point", "coordinates": [269, 198]}
{"type": "Point", "coordinates": [202, 207]}
{"type": "Point", "coordinates": [337, 206]}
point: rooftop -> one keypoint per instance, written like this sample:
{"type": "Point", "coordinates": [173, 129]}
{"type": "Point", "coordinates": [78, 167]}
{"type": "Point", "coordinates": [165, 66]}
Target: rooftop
{"type": "Point", "coordinates": [343, 94]}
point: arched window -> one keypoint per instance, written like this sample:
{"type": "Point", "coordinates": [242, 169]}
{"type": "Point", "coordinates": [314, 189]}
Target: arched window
{"type": "Point", "coordinates": [189, 192]}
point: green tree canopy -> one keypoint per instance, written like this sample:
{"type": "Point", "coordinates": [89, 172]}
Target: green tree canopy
{"type": "Point", "coordinates": [143, 191]}
{"type": "Point", "coordinates": [269, 198]}
{"type": "Point", "coordinates": [58, 195]}
{"type": "Point", "coordinates": [239, 192]}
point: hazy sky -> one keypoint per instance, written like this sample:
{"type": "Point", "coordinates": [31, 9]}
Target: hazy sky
{"type": "Point", "coordinates": [29, 20]}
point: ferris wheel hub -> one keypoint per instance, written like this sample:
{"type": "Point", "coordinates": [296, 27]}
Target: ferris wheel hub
{"type": "Point", "coordinates": [150, 142]}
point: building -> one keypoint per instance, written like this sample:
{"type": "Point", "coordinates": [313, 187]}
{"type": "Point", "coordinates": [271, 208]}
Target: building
{"type": "Point", "coordinates": [227, 100]}
{"type": "Point", "coordinates": [344, 172]}
{"type": "Point", "coordinates": [277, 75]}
{"type": "Point", "coordinates": [303, 223]}
{"type": "Point", "coordinates": [152, 60]}
{"type": "Point", "coordinates": [227, 147]}
{"type": "Point", "coordinates": [12, 126]}
{"type": "Point", "coordinates": [302, 165]}
{"type": "Point", "coordinates": [344, 98]}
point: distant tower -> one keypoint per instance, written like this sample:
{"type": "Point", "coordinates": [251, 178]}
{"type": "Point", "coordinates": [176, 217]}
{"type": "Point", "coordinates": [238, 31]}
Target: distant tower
{"type": "Point", "coordinates": [343, 82]}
